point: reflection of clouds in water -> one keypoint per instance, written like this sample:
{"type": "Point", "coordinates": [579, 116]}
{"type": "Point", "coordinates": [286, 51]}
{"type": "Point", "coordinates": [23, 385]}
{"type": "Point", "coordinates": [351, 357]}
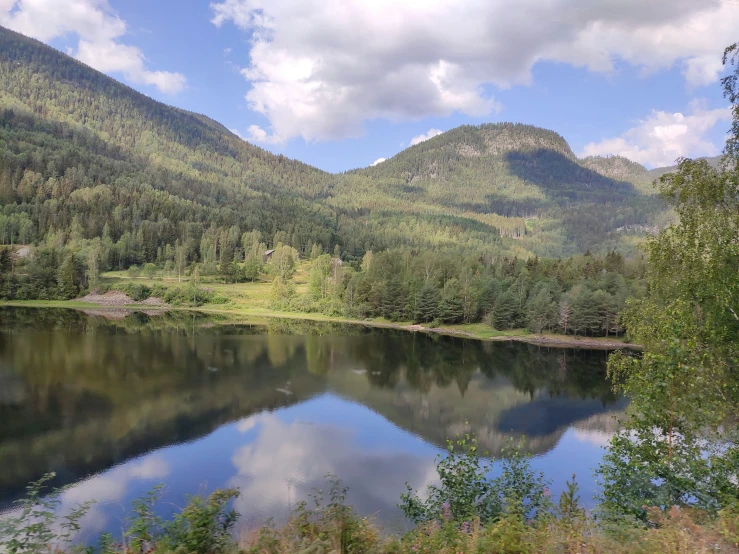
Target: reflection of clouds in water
{"type": "Point", "coordinates": [150, 468]}
{"type": "Point", "coordinates": [110, 488]}
{"type": "Point", "coordinates": [597, 438]}
{"type": "Point", "coordinates": [104, 489]}
{"type": "Point", "coordinates": [248, 423]}
{"type": "Point", "coordinates": [287, 460]}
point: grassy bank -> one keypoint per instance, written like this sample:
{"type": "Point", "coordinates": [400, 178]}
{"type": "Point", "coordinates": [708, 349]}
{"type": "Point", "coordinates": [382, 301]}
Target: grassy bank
{"type": "Point", "coordinates": [248, 301]}
{"type": "Point", "coordinates": [241, 313]}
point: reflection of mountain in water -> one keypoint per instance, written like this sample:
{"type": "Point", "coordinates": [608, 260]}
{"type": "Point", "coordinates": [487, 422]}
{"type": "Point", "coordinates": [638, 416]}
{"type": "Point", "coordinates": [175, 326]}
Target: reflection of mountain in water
{"type": "Point", "coordinates": [80, 394]}
{"type": "Point", "coordinates": [439, 388]}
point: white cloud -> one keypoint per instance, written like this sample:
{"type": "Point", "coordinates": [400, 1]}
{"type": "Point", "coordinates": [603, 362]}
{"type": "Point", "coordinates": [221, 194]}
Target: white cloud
{"type": "Point", "coordinates": [378, 161]}
{"type": "Point", "coordinates": [663, 137]}
{"type": "Point", "coordinates": [98, 30]}
{"type": "Point", "coordinates": [256, 134]}
{"type": "Point", "coordinates": [421, 138]}
{"type": "Point", "coordinates": [236, 132]}
{"type": "Point", "coordinates": [320, 68]}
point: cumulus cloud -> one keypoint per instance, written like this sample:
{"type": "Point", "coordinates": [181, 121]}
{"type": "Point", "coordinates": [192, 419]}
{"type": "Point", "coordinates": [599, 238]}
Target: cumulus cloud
{"type": "Point", "coordinates": [98, 30]}
{"type": "Point", "coordinates": [663, 137]}
{"type": "Point", "coordinates": [421, 138]}
{"type": "Point", "coordinates": [378, 161]}
{"type": "Point", "coordinates": [320, 68]}
{"type": "Point", "coordinates": [237, 133]}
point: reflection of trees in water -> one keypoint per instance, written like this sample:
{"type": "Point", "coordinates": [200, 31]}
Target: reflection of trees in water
{"type": "Point", "coordinates": [495, 384]}
{"type": "Point", "coordinates": [93, 392]}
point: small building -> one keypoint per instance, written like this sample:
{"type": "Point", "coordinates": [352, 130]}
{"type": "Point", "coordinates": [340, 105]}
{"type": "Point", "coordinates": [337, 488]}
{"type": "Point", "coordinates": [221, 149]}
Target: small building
{"type": "Point", "coordinates": [268, 255]}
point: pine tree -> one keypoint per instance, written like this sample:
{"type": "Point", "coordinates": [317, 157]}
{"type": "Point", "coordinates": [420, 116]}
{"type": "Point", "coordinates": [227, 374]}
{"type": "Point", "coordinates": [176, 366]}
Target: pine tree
{"type": "Point", "coordinates": [6, 267]}
{"type": "Point", "coordinates": [585, 315]}
{"type": "Point", "coordinates": [393, 300]}
{"type": "Point", "coordinates": [427, 303]}
{"type": "Point", "coordinates": [505, 314]}
{"type": "Point", "coordinates": [540, 311]}
{"type": "Point", "coordinates": [450, 306]}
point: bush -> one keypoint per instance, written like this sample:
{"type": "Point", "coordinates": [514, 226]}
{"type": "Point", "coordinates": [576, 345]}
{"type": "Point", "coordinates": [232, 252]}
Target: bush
{"type": "Point", "coordinates": [150, 270]}
{"type": "Point", "coordinates": [466, 492]}
{"type": "Point", "coordinates": [175, 296]}
{"type": "Point", "coordinates": [191, 296]}
{"type": "Point", "coordinates": [136, 291]}
{"type": "Point", "coordinates": [329, 527]}
{"type": "Point", "coordinates": [158, 291]}
{"type": "Point", "coordinates": [134, 271]}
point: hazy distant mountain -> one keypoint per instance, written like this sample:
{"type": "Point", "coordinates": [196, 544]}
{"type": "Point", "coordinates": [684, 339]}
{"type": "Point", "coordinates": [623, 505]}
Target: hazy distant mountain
{"type": "Point", "coordinates": [657, 172]}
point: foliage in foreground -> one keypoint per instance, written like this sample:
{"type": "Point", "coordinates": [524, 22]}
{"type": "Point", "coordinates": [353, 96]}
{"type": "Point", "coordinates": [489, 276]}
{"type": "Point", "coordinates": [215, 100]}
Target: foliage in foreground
{"type": "Point", "coordinates": [468, 512]}
{"type": "Point", "coordinates": [680, 443]}
{"type": "Point", "coordinates": [203, 526]}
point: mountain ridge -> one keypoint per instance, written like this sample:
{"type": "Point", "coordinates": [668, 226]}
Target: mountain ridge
{"type": "Point", "coordinates": [83, 151]}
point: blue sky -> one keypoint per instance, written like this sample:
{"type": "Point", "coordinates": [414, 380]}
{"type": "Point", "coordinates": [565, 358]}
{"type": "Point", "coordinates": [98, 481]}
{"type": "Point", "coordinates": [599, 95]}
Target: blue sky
{"type": "Point", "coordinates": [341, 83]}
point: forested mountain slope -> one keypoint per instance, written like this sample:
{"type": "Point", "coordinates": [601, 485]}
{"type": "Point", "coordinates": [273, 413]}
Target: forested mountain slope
{"type": "Point", "coordinates": [77, 146]}
{"type": "Point", "coordinates": [530, 179]}
{"type": "Point", "coordinates": [83, 156]}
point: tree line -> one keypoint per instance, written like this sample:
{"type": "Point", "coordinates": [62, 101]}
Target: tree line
{"type": "Point", "coordinates": [582, 295]}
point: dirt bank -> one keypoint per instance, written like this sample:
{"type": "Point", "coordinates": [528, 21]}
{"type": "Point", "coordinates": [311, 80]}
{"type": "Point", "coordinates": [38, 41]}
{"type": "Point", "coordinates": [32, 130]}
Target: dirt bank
{"type": "Point", "coordinates": [116, 298]}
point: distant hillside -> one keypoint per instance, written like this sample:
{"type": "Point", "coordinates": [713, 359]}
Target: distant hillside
{"type": "Point", "coordinates": [78, 144]}
{"type": "Point", "coordinates": [657, 172]}
{"type": "Point", "coordinates": [524, 180]}
{"type": "Point", "coordinates": [618, 167]}
{"type": "Point", "coordinates": [85, 156]}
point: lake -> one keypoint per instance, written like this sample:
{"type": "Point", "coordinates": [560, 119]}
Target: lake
{"type": "Point", "coordinates": [117, 403]}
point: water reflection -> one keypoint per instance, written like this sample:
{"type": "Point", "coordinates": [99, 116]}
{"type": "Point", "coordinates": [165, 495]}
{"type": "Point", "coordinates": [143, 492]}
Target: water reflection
{"type": "Point", "coordinates": [189, 401]}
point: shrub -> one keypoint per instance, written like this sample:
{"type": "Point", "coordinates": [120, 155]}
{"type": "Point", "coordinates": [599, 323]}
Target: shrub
{"type": "Point", "coordinates": [35, 526]}
{"type": "Point", "coordinates": [150, 270]}
{"type": "Point", "coordinates": [136, 291]}
{"type": "Point", "coordinates": [191, 296]}
{"type": "Point", "coordinates": [328, 527]}
{"type": "Point", "coordinates": [158, 291]}
{"type": "Point", "coordinates": [466, 492]}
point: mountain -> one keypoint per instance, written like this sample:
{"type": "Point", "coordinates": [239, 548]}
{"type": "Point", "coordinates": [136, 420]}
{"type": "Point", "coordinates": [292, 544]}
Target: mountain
{"type": "Point", "coordinates": [83, 156]}
{"type": "Point", "coordinates": [623, 169]}
{"type": "Point", "coordinates": [524, 180]}
{"type": "Point", "coordinates": [79, 144]}
{"type": "Point", "coordinates": [657, 172]}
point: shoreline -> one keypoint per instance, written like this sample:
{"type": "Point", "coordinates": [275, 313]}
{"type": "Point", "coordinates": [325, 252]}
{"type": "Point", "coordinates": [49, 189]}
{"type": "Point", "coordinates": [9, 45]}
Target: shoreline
{"type": "Point", "coordinates": [548, 340]}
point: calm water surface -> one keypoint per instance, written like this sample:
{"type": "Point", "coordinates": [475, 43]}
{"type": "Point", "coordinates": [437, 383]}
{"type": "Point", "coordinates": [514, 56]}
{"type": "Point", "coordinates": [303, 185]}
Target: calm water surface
{"type": "Point", "coordinates": [117, 403]}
